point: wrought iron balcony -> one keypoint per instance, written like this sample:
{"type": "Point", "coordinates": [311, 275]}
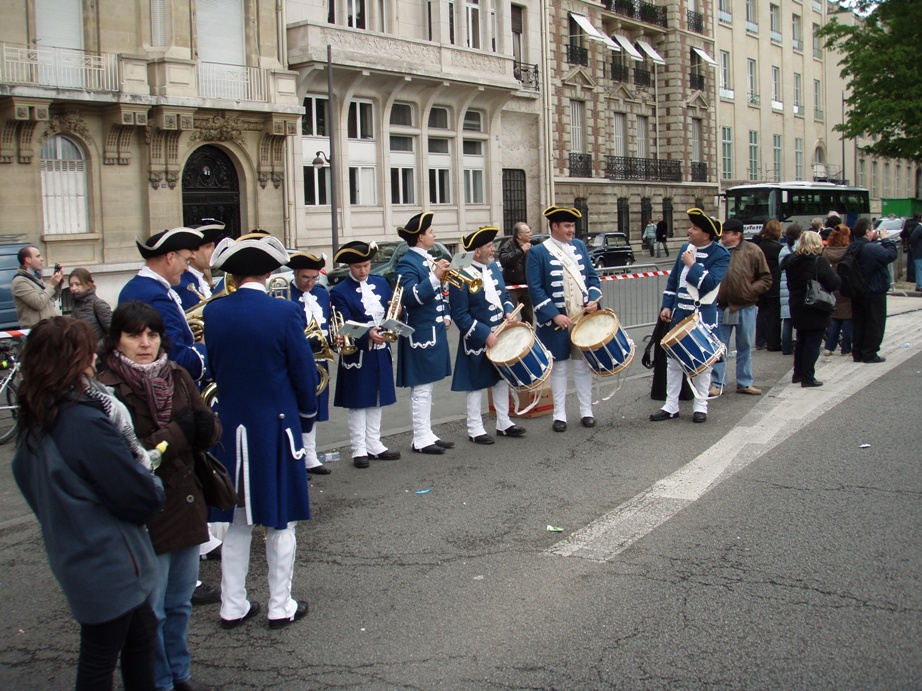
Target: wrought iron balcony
{"type": "Point", "coordinates": [237, 82]}
{"type": "Point", "coordinates": [580, 165]}
{"type": "Point", "coordinates": [632, 168]}
{"type": "Point", "coordinates": [653, 14]}
{"type": "Point", "coordinates": [628, 8]}
{"type": "Point", "coordinates": [636, 9]}
{"type": "Point", "coordinates": [527, 75]}
{"type": "Point", "coordinates": [699, 171]}
{"type": "Point", "coordinates": [695, 21]}
{"type": "Point", "coordinates": [642, 77]}
{"type": "Point", "coordinates": [696, 81]}
{"type": "Point", "coordinates": [620, 73]}
{"type": "Point", "coordinates": [577, 55]}
{"type": "Point", "coordinates": [58, 67]}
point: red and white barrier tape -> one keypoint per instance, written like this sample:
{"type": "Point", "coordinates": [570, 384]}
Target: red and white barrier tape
{"type": "Point", "coordinates": [616, 277]}
{"type": "Point", "coordinates": [18, 333]}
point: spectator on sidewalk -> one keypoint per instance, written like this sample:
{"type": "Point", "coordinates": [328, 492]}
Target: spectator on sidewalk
{"type": "Point", "coordinates": [768, 318]}
{"type": "Point", "coordinates": [869, 311]}
{"type": "Point", "coordinates": [791, 236]}
{"type": "Point", "coordinates": [32, 298]}
{"type": "Point", "coordinates": [662, 235]}
{"type": "Point", "coordinates": [841, 323]}
{"type": "Point", "coordinates": [513, 257]}
{"type": "Point", "coordinates": [912, 242]}
{"type": "Point", "coordinates": [649, 236]}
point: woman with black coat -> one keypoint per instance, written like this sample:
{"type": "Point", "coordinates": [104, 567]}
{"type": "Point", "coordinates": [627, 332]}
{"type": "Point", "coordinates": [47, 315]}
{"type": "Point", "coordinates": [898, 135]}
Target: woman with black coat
{"type": "Point", "coordinates": [806, 264]}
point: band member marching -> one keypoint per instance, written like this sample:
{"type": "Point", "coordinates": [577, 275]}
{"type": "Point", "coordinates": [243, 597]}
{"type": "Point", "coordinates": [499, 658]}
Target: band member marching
{"type": "Point", "coordinates": [563, 284]}
{"type": "Point", "coordinates": [365, 378]}
{"type": "Point", "coordinates": [423, 357]}
{"type": "Point", "coordinates": [195, 284]}
{"type": "Point", "coordinates": [692, 285]}
{"type": "Point", "coordinates": [314, 299]}
{"type": "Point", "coordinates": [477, 315]}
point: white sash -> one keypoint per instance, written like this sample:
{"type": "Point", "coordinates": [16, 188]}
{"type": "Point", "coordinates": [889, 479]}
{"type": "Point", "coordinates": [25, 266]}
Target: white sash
{"type": "Point", "coordinates": [574, 287]}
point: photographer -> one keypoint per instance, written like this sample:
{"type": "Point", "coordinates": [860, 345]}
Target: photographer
{"type": "Point", "coordinates": [33, 299]}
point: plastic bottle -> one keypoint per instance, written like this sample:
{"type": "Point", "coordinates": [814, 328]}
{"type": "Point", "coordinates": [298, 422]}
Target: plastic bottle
{"type": "Point", "coordinates": [155, 455]}
{"type": "Point", "coordinates": [329, 457]}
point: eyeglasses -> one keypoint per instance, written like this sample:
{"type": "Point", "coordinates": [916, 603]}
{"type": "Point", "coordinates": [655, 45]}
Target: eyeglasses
{"type": "Point", "coordinates": [311, 279]}
{"type": "Point", "coordinates": [187, 260]}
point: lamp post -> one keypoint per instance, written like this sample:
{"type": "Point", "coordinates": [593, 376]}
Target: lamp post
{"type": "Point", "coordinates": [321, 160]}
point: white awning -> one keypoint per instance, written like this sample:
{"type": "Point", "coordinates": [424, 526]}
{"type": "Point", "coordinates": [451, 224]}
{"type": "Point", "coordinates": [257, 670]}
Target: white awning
{"type": "Point", "coordinates": [593, 33]}
{"type": "Point", "coordinates": [704, 56]}
{"type": "Point", "coordinates": [629, 47]}
{"type": "Point", "coordinates": [651, 52]}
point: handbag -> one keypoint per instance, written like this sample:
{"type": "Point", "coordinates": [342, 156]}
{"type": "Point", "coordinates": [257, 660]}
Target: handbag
{"type": "Point", "coordinates": [818, 298]}
{"type": "Point", "coordinates": [217, 486]}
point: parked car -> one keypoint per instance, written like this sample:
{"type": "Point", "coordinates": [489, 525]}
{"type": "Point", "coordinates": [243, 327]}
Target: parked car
{"type": "Point", "coordinates": [388, 270]}
{"type": "Point", "coordinates": [385, 252]}
{"type": "Point", "coordinates": [609, 249]}
{"type": "Point", "coordinates": [9, 265]}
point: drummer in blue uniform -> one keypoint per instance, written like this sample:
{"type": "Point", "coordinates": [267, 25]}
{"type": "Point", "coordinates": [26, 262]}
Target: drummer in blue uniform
{"type": "Point", "coordinates": [314, 299]}
{"type": "Point", "coordinates": [423, 357]}
{"type": "Point", "coordinates": [692, 286]}
{"type": "Point", "coordinates": [166, 256]}
{"type": "Point", "coordinates": [267, 383]}
{"type": "Point", "coordinates": [563, 284]}
{"type": "Point", "coordinates": [477, 315]}
{"type": "Point", "coordinates": [195, 284]}
{"type": "Point", "coordinates": [364, 379]}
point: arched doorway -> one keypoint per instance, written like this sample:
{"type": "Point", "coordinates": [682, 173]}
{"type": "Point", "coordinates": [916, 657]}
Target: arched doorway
{"type": "Point", "coordinates": [210, 189]}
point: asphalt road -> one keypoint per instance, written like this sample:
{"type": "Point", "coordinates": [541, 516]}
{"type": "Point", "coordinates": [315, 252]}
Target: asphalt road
{"type": "Point", "coordinates": [776, 546]}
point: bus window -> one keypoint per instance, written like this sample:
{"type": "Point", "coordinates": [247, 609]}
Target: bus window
{"type": "Point", "coordinates": [749, 206]}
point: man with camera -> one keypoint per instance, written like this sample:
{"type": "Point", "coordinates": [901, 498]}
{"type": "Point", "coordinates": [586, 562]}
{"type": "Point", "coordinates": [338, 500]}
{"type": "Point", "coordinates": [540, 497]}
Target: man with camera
{"type": "Point", "coordinates": [33, 299]}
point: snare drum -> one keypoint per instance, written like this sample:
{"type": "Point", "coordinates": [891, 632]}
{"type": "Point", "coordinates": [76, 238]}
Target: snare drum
{"type": "Point", "coordinates": [692, 345]}
{"type": "Point", "coordinates": [603, 342]}
{"type": "Point", "coordinates": [522, 360]}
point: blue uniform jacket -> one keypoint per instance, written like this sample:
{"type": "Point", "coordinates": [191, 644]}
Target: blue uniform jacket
{"type": "Point", "coordinates": [705, 274]}
{"type": "Point", "coordinates": [423, 356]}
{"type": "Point", "coordinates": [323, 299]}
{"type": "Point", "coordinates": [267, 392]}
{"type": "Point", "coordinates": [545, 286]}
{"type": "Point", "coordinates": [476, 318]}
{"type": "Point", "coordinates": [183, 350]}
{"type": "Point", "coordinates": [366, 378]}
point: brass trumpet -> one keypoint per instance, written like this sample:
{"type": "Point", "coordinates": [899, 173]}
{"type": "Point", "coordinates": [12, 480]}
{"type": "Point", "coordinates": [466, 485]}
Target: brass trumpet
{"type": "Point", "coordinates": [460, 279]}
{"type": "Point", "coordinates": [279, 287]}
{"type": "Point", "coordinates": [393, 312]}
{"type": "Point", "coordinates": [194, 314]}
{"type": "Point", "coordinates": [348, 346]}
{"type": "Point", "coordinates": [321, 350]}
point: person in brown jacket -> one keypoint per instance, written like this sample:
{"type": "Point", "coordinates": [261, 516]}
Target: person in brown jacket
{"type": "Point", "coordinates": [748, 276]}
{"type": "Point", "coordinates": [838, 242]}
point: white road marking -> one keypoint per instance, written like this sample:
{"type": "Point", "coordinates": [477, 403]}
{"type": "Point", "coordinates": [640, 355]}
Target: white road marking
{"type": "Point", "coordinates": [783, 412]}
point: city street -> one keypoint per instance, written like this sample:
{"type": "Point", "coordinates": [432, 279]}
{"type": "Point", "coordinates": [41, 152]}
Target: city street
{"type": "Point", "coordinates": [776, 546]}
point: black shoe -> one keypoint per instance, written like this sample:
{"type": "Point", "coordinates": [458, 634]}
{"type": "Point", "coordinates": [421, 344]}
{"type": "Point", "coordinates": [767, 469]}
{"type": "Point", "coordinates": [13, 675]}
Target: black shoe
{"type": "Point", "coordinates": [360, 461]}
{"type": "Point", "coordinates": [386, 455]}
{"type": "Point", "coordinates": [319, 470]}
{"type": "Point", "coordinates": [875, 359]}
{"type": "Point", "coordinates": [588, 421]}
{"type": "Point", "coordinates": [661, 415]}
{"type": "Point", "coordinates": [514, 431]}
{"type": "Point", "coordinates": [699, 417]}
{"type": "Point", "coordinates": [206, 595]}
{"type": "Point", "coordinates": [433, 449]}
{"type": "Point", "coordinates": [234, 623]}
{"type": "Point", "coordinates": [560, 426]}
{"type": "Point", "coordinates": [444, 444]}
{"type": "Point", "coordinates": [300, 613]}
{"type": "Point", "coordinates": [797, 378]}
{"type": "Point", "coordinates": [485, 439]}
{"type": "Point", "coordinates": [857, 359]}
{"type": "Point", "coordinates": [809, 383]}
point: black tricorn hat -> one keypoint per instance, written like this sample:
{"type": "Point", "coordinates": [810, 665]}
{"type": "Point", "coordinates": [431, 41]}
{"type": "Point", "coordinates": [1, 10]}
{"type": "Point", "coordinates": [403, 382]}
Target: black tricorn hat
{"type": "Point", "coordinates": [418, 224]}
{"type": "Point", "coordinates": [557, 214]}
{"type": "Point", "coordinates": [212, 230]}
{"type": "Point", "coordinates": [249, 255]}
{"type": "Point", "coordinates": [306, 260]}
{"type": "Point", "coordinates": [479, 237]}
{"type": "Point", "coordinates": [171, 240]}
{"type": "Point", "coordinates": [708, 224]}
{"type": "Point", "coordinates": [356, 252]}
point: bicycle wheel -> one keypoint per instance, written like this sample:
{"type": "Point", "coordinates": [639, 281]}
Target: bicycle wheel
{"type": "Point", "coordinates": [9, 413]}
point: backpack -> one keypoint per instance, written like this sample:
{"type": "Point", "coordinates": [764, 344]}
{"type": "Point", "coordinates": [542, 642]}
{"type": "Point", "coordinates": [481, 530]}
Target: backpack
{"type": "Point", "coordinates": [854, 284]}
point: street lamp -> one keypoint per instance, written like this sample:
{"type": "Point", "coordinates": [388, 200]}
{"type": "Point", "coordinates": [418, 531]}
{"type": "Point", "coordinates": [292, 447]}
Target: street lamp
{"type": "Point", "coordinates": [321, 160]}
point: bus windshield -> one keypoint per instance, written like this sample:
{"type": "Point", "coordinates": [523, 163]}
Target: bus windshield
{"type": "Point", "coordinates": [751, 206]}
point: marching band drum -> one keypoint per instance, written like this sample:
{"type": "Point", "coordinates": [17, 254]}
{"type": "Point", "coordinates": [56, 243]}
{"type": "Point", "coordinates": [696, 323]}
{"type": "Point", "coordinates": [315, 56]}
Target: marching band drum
{"type": "Point", "coordinates": [604, 343]}
{"type": "Point", "coordinates": [692, 345]}
{"type": "Point", "coordinates": [522, 360]}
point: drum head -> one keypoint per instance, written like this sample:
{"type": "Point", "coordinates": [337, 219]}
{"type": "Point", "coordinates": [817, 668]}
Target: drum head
{"type": "Point", "coordinates": [594, 329]}
{"type": "Point", "coordinates": [512, 344]}
{"type": "Point", "coordinates": [680, 330]}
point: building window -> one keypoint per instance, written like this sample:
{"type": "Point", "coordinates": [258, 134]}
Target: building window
{"type": "Point", "coordinates": [798, 95]}
{"type": "Point", "coordinates": [861, 173]}
{"type": "Point", "coordinates": [472, 147]}
{"type": "Point", "coordinates": [886, 185]}
{"type": "Point", "coordinates": [439, 186]}
{"type": "Point", "coordinates": [776, 89]}
{"type": "Point", "coordinates": [726, 85]}
{"type": "Point", "coordinates": [817, 43]}
{"type": "Point", "coordinates": [576, 53]}
{"type": "Point", "coordinates": [798, 158]}
{"type": "Point", "coordinates": [473, 121]}
{"type": "Point", "coordinates": [362, 186]}
{"type": "Point", "coordinates": [697, 129]}
{"type": "Point", "coordinates": [754, 168]}
{"type": "Point", "coordinates": [158, 24]}
{"type": "Point", "coordinates": [64, 188]}
{"type": "Point", "coordinates": [473, 186]}
{"type": "Point", "coordinates": [355, 14]}
{"type": "Point", "coordinates": [577, 127]}
{"type": "Point", "coordinates": [619, 139]}
{"type": "Point", "coordinates": [515, 198]}
{"type": "Point", "coordinates": [438, 145]}
{"type": "Point", "coordinates": [624, 216]}
{"type": "Point", "coordinates": [643, 136]}
{"type": "Point", "coordinates": [402, 190]}
{"type": "Point", "coordinates": [797, 33]}
{"type": "Point", "coordinates": [775, 17]}
{"type": "Point", "coordinates": [776, 154]}
{"type": "Point", "coordinates": [752, 17]}
{"type": "Point", "coordinates": [874, 179]}
{"type": "Point", "coordinates": [316, 186]}
{"type": "Point", "coordinates": [518, 33]}
{"type": "Point", "coordinates": [401, 143]}
{"type": "Point", "coordinates": [473, 23]}
{"type": "Point", "coordinates": [726, 148]}
{"type": "Point", "coordinates": [402, 115]}
{"type": "Point", "coordinates": [438, 118]}
{"type": "Point", "coordinates": [724, 11]}
{"type": "Point", "coordinates": [899, 181]}
{"type": "Point", "coordinates": [817, 100]}
{"type": "Point", "coordinates": [314, 121]}
{"type": "Point", "coordinates": [360, 122]}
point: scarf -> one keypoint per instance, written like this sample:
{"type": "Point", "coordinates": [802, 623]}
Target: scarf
{"type": "Point", "coordinates": [119, 416]}
{"type": "Point", "coordinates": [151, 383]}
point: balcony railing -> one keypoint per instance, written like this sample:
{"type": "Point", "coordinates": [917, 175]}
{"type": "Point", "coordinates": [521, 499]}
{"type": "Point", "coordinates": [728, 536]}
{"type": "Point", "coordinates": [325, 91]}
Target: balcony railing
{"type": "Point", "coordinates": [652, 14]}
{"type": "Point", "coordinates": [631, 168]}
{"type": "Point", "coordinates": [59, 67]}
{"type": "Point", "coordinates": [699, 171]}
{"type": "Point", "coordinates": [577, 55]}
{"type": "Point", "coordinates": [580, 165]}
{"type": "Point", "coordinates": [696, 81]}
{"type": "Point", "coordinates": [642, 77]}
{"type": "Point", "coordinates": [636, 9]}
{"type": "Point", "coordinates": [695, 21]}
{"type": "Point", "coordinates": [527, 75]}
{"type": "Point", "coordinates": [620, 73]}
{"type": "Point", "coordinates": [237, 82]}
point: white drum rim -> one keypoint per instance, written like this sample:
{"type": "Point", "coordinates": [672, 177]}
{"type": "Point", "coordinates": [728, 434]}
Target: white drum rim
{"type": "Point", "coordinates": [585, 320]}
{"type": "Point", "coordinates": [521, 355]}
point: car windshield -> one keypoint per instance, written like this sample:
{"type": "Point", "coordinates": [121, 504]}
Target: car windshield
{"type": "Point", "coordinates": [594, 240]}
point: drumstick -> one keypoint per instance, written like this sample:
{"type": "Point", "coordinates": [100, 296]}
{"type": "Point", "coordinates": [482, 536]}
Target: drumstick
{"type": "Point", "coordinates": [573, 321]}
{"type": "Point", "coordinates": [501, 327]}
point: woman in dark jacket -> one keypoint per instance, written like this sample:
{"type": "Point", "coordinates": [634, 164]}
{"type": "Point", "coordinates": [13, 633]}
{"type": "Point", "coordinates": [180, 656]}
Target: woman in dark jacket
{"type": "Point", "coordinates": [800, 268]}
{"type": "Point", "coordinates": [88, 306]}
{"type": "Point", "coordinates": [836, 246]}
{"type": "Point", "coordinates": [87, 479]}
{"type": "Point", "coordinates": [768, 319]}
{"type": "Point", "coordinates": [165, 406]}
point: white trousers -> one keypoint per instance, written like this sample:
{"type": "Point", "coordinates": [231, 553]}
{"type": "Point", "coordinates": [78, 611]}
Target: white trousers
{"type": "Point", "coordinates": [700, 383]}
{"type": "Point", "coordinates": [475, 405]}
{"type": "Point", "coordinates": [421, 409]}
{"type": "Point", "coordinates": [309, 441]}
{"type": "Point", "coordinates": [582, 379]}
{"type": "Point", "coordinates": [235, 563]}
{"type": "Point", "coordinates": [365, 431]}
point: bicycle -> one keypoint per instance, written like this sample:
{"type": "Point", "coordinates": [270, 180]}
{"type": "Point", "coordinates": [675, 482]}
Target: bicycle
{"type": "Point", "coordinates": [9, 389]}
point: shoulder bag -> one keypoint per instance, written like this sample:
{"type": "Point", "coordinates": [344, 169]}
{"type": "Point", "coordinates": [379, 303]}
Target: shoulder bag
{"type": "Point", "coordinates": [818, 298]}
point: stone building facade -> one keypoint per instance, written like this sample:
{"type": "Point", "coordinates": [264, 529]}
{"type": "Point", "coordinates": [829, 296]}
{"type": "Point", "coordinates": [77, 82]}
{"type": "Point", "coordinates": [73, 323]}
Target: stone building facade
{"type": "Point", "coordinates": [120, 119]}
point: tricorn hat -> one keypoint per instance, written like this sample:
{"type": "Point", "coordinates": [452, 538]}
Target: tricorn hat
{"type": "Point", "coordinates": [171, 240]}
{"type": "Point", "coordinates": [557, 214]}
{"type": "Point", "coordinates": [249, 255]}
{"type": "Point", "coordinates": [479, 237]}
{"type": "Point", "coordinates": [356, 252]}
{"type": "Point", "coordinates": [708, 224]}
{"type": "Point", "coordinates": [306, 260]}
{"type": "Point", "coordinates": [415, 226]}
{"type": "Point", "coordinates": [212, 230]}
